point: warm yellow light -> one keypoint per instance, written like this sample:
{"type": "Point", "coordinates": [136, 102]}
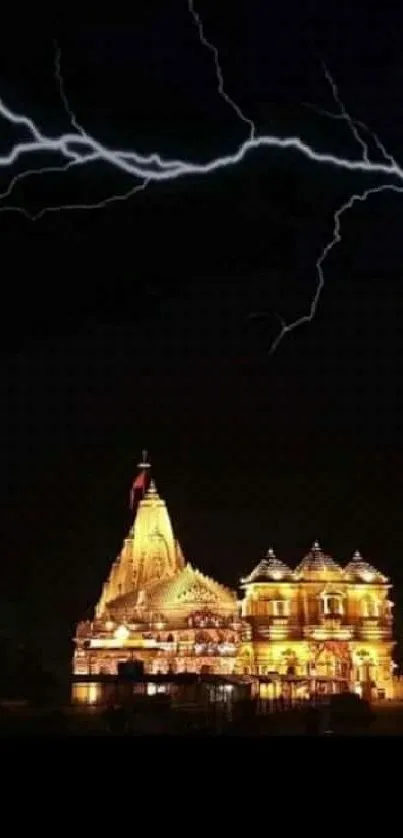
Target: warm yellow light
{"type": "Point", "coordinates": [309, 622]}
{"type": "Point", "coordinates": [92, 693]}
{"type": "Point", "coordinates": [122, 633]}
{"type": "Point", "coordinates": [151, 689]}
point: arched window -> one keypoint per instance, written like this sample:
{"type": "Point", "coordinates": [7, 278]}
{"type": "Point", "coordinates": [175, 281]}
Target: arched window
{"type": "Point", "coordinates": [280, 608]}
{"type": "Point", "coordinates": [370, 607]}
{"type": "Point", "coordinates": [332, 604]}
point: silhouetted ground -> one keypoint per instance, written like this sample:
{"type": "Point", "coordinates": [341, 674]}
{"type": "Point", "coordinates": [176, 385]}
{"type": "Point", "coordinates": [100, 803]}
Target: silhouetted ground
{"type": "Point", "coordinates": [388, 719]}
{"type": "Point", "coordinates": [384, 720]}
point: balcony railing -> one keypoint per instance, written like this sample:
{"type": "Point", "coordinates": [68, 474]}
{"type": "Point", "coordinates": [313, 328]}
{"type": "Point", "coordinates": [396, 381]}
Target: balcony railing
{"type": "Point", "coordinates": [276, 628]}
{"type": "Point", "coordinates": [373, 629]}
{"type": "Point", "coordinates": [329, 630]}
{"type": "Point", "coordinates": [103, 629]}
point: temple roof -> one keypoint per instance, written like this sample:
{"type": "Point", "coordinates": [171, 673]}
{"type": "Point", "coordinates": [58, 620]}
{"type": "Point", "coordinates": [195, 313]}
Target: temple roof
{"type": "Point", "coordinates": [270, 569]}
{"type": "Point", "coordinates": [318, 565]}
{"type": "Point", "coordinates": [361, 571]}
{"type": "Point", "coordinates": [190, 587]}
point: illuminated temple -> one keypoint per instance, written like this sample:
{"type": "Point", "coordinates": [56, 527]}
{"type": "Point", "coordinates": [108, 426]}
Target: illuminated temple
{"type": "Point", "coordinates": [318, 621]}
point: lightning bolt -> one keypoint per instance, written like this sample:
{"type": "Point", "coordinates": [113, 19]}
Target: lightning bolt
{"type": "Point", "coordinates": [76, 161]}
{"type": "Point", "coordinates": [77, 147]}
{"type": "Point", "coordinates": [219, 74]}
{"type": "Point", "coordinates": [343, 114]}
{"type": "Point", "coordinates": [336, 239]}
{"type": "Point", "coordinates": [358, 124]}
{"type": "Point", "coordinates": [353, 125]}
{"type": "Point", "coordinates": [62, 91]}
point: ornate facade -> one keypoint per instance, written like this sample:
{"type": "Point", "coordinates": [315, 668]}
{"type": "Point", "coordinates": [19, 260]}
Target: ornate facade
{"type": "Point", "coordinates": [158, 609]}
{"type": "Point", "coordinates": [320, 621]}
{"type": "Point", "coordinates": [316, 622]}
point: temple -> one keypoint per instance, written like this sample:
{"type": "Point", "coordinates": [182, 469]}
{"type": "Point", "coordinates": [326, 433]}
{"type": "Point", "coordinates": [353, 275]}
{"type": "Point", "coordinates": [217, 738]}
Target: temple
{"type": "Point", "coordinates": [319, 623]}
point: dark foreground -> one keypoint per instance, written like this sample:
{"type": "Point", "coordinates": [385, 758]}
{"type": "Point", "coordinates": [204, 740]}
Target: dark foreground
{"type": "Point", "coordinates": [380, 720]}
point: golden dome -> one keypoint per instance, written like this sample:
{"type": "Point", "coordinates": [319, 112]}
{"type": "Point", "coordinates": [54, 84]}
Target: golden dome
{"type": "Point", "coordinates": [270, 569]}
{"type": "Point", "coordinates": [359, 570]}
{"type": "Point", "coordinates": [318, 565]}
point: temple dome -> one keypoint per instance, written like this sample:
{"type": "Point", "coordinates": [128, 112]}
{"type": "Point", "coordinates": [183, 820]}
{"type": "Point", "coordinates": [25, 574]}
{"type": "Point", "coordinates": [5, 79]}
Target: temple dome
{"type": "Point", "coordinates": [359, 570]}
{"type": "Point", "coordinates": [270, 569]}
{"type": "Point", "coordinates": [318, 565]}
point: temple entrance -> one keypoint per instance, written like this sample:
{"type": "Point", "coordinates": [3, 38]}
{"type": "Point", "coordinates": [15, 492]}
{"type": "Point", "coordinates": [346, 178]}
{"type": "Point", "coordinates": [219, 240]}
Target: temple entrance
{"type": "Point", "coordinates": [326, 664]}
{"type": "Point", "coordinates": [330, 660]}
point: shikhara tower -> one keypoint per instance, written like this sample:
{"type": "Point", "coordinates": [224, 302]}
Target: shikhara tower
{"type": "Point", "coordinates": [150, 553]}
{"type": "Point", "coordinates": [154, 606]}
{"type": "Point", "coordinates": [325, 626]}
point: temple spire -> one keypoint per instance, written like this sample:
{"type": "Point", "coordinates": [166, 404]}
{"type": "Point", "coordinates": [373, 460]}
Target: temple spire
{"type": "Point", "coordinates": [152, 489]}
{"type": "Point", "coordinates": [140, 483]}
{"type": "Point", "coordinates": [151, 553]}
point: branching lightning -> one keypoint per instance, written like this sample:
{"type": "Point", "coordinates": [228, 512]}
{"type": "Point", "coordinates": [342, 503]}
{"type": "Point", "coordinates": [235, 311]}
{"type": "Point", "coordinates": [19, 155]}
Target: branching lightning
{"type": "Point", "coordinates": [219, 74]}
{"type": "Point", "coordinates": [354, 126]}
{"type": "Point", "coordinates": [343, 114]}
{"type": "Point", "coordinates": [336, 239]}
{"type": "Point", "coordinates": [77, 148]}
{"type": "Point", "coordinates": [358, 124]}
{"type": "Point", "coordinates": [62, 92]}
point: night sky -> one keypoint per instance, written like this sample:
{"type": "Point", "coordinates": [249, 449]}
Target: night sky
{"type": "Point", "coordinates": [130, 326]}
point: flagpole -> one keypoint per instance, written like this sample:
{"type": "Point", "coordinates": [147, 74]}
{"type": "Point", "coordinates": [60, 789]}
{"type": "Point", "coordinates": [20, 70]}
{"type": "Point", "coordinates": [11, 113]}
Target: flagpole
{"type": "Point", "coordinates": [144, 465]}
{"type": "Point", "coordinates": [144, 461]}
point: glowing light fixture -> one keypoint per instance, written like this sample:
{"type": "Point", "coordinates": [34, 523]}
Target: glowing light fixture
{"type": "Point", "coordinates": [122, 633]}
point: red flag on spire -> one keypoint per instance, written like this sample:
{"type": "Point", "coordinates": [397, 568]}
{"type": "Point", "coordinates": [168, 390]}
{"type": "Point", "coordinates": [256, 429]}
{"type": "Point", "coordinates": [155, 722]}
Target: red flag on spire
{"type": "Point", "coordinates": [139, 485]}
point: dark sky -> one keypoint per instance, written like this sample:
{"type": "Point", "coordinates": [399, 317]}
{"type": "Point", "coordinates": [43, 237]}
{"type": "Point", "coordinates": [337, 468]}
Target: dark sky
{"type": "Point", "coordinates": [130, 327]}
